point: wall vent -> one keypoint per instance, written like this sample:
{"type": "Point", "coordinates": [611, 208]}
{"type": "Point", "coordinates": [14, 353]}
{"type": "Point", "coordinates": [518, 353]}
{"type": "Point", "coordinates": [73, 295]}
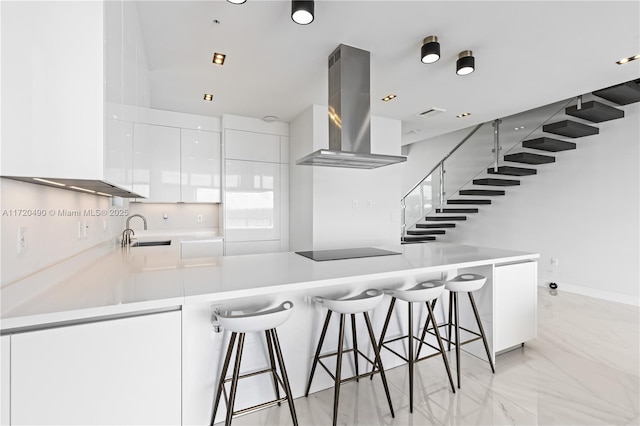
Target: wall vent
{"type": "Point", "coordinates": [430, 112]}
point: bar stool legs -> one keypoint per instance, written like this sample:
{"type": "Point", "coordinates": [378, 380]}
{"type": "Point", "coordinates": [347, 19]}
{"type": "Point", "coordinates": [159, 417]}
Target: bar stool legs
{"type": "Point", "coordinates": [337, 377]}
{"type": "Point", "coordinates": [238, 325]}
{"type": "Point", "coordinates": [466, 283]}
{"type": "Point", "coordinates": [412, 359]}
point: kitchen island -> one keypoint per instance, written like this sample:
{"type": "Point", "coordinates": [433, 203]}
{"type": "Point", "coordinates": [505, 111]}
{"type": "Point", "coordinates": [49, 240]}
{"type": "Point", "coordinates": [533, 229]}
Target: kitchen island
{"type": "Point", "coordinates": [115, 286]}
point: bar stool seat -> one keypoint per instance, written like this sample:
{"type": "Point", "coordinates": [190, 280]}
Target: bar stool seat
{"type": "Point", "coordinates": [464, 283]}
{"type": "Point", "coordinates": [246, 322]}
{"type": "Point", "coordinates": [361, 303]}
{"type": "Point", "coordinates": [424, 292]}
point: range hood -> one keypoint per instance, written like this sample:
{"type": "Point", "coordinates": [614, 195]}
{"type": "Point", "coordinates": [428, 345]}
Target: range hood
{"type": "Point", "coordinates": [349, 115]}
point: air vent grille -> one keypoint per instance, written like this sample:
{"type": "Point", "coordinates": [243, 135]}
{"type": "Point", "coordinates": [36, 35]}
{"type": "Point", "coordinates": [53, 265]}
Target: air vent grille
{"type": "Point", "coordinates": [430, 112]}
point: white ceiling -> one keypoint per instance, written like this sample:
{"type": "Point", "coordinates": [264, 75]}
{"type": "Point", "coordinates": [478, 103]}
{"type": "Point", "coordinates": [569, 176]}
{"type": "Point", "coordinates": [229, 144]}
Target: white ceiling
{"type": "Point", "coordinates": [528, 54]}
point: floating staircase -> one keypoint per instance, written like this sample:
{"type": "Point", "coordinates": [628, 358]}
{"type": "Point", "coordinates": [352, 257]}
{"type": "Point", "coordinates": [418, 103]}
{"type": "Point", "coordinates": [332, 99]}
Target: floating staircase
{"type": "Point", "coordinates": [592, 111]}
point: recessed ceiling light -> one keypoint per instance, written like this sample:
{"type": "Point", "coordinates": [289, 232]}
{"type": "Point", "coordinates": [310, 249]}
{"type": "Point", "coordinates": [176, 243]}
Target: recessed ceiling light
{"type": "Point", "coordinates": [464, 114]}
{"type": "Point", "coordinates": [389, 97]}
{"type": "Point", "coordinates": [269, 118]}
{"type": "Point", "coordinates": [519, 128]}
{"type": "Point", "coordinates": [629, 59]}
{"type": "Point", "coordinates": [218, 58]}
{"type": "Point", "coordinates": [208, 97]}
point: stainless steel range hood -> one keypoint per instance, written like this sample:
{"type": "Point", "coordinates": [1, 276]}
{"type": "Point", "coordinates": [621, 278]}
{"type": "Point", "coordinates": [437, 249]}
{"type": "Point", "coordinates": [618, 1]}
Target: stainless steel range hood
{"type": "Point", "coordinates": [349, 115]}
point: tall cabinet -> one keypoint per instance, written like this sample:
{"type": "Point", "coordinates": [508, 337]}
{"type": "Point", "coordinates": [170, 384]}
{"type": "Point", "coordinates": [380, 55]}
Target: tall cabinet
{"type": "Point", "coordinates": [256, 186]}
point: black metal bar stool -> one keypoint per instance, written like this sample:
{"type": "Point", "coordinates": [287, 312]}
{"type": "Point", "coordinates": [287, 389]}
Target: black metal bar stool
{"type": "Point", "coordinates": [362, 303]}
{"type": "Point", "coordinates": [465, 283]}
{"type": "Point", "coordinates": [239, 324]}
{"type": "Point", "coordinates": [425, 292]}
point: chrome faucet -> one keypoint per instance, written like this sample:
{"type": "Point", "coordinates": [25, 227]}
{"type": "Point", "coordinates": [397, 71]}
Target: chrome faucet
{"type": "Point", "coordinates": [126, 237]}
{"type": "Point", "coordinates": [144, 220]}
{"type": "Point", "coordinates": [128, 232]}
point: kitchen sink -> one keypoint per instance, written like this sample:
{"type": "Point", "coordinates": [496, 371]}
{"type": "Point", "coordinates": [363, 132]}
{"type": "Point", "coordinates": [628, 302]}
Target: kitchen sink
{"type": "Point", "coordinates": [151, 243]}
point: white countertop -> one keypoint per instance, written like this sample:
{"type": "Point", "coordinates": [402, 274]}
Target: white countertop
{"type": "Point", "coordinates": [116, 281]}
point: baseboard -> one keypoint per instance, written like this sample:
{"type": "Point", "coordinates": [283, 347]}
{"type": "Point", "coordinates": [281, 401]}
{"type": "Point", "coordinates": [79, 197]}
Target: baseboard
{"type": "Point", "coordinates": [592, 292]}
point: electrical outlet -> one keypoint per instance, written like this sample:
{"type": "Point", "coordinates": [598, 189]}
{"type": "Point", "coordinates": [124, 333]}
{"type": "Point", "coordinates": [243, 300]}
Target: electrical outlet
{"type": "Point", "coordinates": [200, 218]}
{"type": "Point", "coordinates": [354, 204]}
{"type": "Point", "coordinates": [22, 239]}
{"type": "Point", "coordinates": [369, 203]}
{"type": "Point", "coordinates": [555, 261]}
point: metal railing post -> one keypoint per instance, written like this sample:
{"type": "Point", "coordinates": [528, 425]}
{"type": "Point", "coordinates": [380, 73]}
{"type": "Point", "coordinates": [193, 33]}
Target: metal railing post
{"type": "Point", "coordinates": [442, 185]}
{"type": "Point", "coordinates": [496, 143]}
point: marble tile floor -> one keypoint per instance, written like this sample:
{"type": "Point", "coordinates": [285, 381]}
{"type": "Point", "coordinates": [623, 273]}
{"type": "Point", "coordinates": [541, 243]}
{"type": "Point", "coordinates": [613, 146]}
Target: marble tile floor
{"type": "Point", "coordinates": [584, 369]}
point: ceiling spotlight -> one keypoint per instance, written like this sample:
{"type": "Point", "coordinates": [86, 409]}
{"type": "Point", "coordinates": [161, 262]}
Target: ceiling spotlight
{"type": "Point", "coordinates": [302, 11]}
{"type": "Point", "coordinates": [629, 59]}
{"type": "Point", "coordinates": [218, 58]}
{"type": "Point", "coordinates": [389, 97]}
{"type": "Point", "coordinates": [430, 51]}
{"type": "Point", "coordinates": [464, 114]}
{"type": "Point", "coordinates": [237, 1]}
{"type": "Point", "coordinates": [466, 63]}
{"type": "Point", "coordinates": [208, 97]}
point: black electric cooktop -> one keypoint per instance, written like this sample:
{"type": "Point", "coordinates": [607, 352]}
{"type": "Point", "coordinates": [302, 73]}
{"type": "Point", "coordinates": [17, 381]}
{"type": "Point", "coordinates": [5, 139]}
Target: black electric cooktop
{"type": "Point", "coordinates": [351, 253]}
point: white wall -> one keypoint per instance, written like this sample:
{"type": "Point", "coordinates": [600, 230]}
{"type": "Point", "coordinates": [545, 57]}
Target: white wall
{"type": "Point", "coordinates": [349, 207]}
{"type": "Point", "coordinates": [53, 237]}
{"type": "Point", "coordinates": [583, 210]}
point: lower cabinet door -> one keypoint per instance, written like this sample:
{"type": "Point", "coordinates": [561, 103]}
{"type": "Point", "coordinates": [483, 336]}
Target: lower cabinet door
{"type": "Point", "coordinates": [516, 304]}
{"type": "Point", "coordinates": [116, 372]}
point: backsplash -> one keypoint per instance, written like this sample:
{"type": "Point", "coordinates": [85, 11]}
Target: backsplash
{"type": "Point", "coordinates": [176, 216]}
{"type": "Point", "coordinates": [56, 225]}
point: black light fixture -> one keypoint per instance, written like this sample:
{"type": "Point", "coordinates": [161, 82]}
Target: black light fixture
{"type": "Point", "coordinates": [430, 51]}
{"type": "Point", "coordinates": [302, 11]}
{"type": "Point", "coordinates": [237, 1]}
{"type": "Point", "coordinates": [466, 63]}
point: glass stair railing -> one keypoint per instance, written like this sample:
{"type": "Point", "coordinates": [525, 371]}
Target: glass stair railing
{"type": "Point", "coordinates": [493, 156]}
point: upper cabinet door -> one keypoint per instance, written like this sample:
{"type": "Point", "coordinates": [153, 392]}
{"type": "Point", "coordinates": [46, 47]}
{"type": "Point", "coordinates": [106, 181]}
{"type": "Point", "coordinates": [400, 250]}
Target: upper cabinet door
{"type": "Point", "coordinates": [200, 155]}
{"type": "Point", "coordinates": [243, 145]}
{"type": "Point", "coordinates": [156, 163]}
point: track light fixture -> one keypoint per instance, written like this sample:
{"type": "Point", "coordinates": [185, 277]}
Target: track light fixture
{"type": "Point", "coordinates": [237, 1]}
{"type": "Point", "coordinates": [430, 51]}
{"type": "Point", "coordinates": [302, 11]}
{"type": "Point", "coordinates": [466, 63]}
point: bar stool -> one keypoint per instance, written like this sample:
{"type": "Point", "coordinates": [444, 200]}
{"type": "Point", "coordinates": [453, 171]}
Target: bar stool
{"type": "Point", "coordinates": [465, 283]}
{"type": "Point", "coordinates": [422, 293]}
{"type": "Point", "coordinates": [361, 303]}
{"type": "Point", "coordinates": [239, 324]}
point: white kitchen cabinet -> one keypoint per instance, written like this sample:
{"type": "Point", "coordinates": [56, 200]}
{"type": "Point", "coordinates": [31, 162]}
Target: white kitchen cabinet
{"type": "Point", "coordinates": [62, 62]}
{"type": "Point", "coordinates": [118, 157]}
{"type": "Point", "coordinates": [5, 374]}
{"type": "Point", "coordinates": [117, 372]}
{"type": "Point", "coordinates": [156, 162]}
{"type": "Point", "coordinates": [253, 146]}
{"type": "Point", "coordinates": [201, 248]}
{"type": "Point", "coordinates": [200, 165]}
{"type": "Point", "coordinates": [252, 201]}
{"type": "Point", "coordinates": [515, 304]}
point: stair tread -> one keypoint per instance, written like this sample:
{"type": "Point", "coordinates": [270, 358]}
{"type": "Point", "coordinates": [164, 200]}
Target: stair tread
{"type": "Point", "coordinates": [496, 182]}
{"type": "Point", "coordinates": [475, 201]}
{"type": "Point", "coordinates": [529, 158]}
{"type": "Point", "coordinates": [444, 218]}
{"type": "Point", "coordinates": [549, 144]}
{"type": "Point", "coordinates": [622, 94]}
{"type": "Point", "coordinates": [435, 225]}
{"type": "Point", "coordinates": [570, 128]}
{"type": "Point", "coordinates": [426, 232]}
{"type": "Point", "coordinates": [459, 210]}
{"type": "Point", "coordinates": [595, 111]}
{"type": "Point", "coordinates": [416, 240]}
{"type": "Point", "coordinates": [489, 192]}
{"type": "Point", "coordinates": [512, 171]}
